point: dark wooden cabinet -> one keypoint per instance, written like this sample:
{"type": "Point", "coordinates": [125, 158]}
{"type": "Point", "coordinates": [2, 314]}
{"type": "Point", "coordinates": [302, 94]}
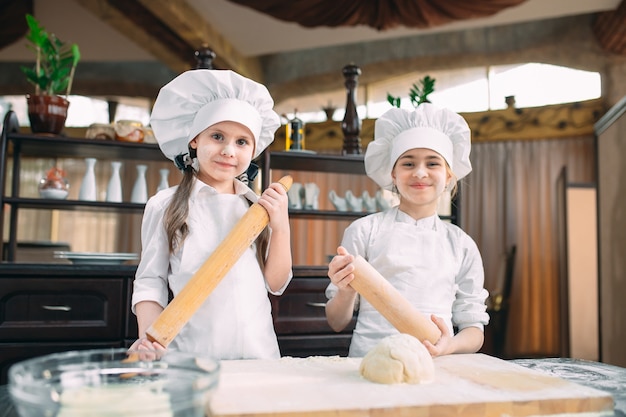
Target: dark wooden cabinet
{"type": "Point", "coordinates": [38, 309]}
{"type": "Point", "coordinates": [300, 319]}
{"type": "Point", "coordinates": [47, 308]}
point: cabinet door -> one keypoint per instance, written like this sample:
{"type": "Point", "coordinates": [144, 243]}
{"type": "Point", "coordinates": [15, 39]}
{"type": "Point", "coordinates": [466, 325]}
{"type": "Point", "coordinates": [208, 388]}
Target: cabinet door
{"type": "Point", "coordinates": [300, 320]}
{"type": "Point", "coordinates": [300, 310]}
{"type": "Point", "coordinates": [302, 346]}
{"type": "Point", "coordinates": [40, 309]}
{"type": "Point", "coordinates": [12, 353]}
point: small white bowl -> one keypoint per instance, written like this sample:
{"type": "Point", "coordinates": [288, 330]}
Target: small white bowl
{"type": "Point", "coordinates": [53, 193]}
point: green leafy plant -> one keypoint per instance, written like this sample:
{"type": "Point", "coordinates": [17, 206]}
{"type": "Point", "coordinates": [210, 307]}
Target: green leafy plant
{"type": "Point", "coordinates": [56, 62]}
{"type": "Point", "coordinates": [418, 93]}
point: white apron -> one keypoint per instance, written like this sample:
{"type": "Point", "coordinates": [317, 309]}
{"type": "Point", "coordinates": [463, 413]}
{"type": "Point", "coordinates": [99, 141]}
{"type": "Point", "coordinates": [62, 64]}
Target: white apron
{"type": "Point", "coordinates": [236, 320]}
{"type": "Point", "coordinates": [418, 263]}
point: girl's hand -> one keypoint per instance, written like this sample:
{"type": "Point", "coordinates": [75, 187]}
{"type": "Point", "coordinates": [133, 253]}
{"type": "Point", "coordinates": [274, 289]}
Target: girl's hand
{"type": "Point", "coordinates": [152, 349]}
{"type": "Point", "coordinates": [341, 270]}
{"type": "Point", "coordinates": [340, 308]}
{"type": "Point", "coordinates": [444, 344]}
{"type": "Point", "coordinates": [274, 200]}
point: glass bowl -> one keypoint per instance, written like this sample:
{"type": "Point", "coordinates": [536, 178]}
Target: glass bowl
{"type": "Point", "coordinates": [107, 382]}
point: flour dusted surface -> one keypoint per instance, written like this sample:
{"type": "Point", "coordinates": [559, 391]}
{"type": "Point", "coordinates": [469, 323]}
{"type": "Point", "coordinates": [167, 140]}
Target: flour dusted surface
{"type": "Point", "coordinates": [332, 385]}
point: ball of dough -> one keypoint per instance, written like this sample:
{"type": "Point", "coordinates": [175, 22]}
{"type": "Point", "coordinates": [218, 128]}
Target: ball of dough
{"type": "Point", "coordinates": [397, 359]}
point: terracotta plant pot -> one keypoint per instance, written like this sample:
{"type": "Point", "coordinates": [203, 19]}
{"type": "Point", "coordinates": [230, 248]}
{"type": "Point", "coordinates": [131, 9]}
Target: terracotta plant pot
{"type": "Point", "coordinates": [47, 114]}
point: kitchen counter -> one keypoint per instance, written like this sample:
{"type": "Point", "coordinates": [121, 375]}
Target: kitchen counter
{"type": "Point", "coordinates": [607, 378]}
{"type": "Point", "coordinates": [601, 376]}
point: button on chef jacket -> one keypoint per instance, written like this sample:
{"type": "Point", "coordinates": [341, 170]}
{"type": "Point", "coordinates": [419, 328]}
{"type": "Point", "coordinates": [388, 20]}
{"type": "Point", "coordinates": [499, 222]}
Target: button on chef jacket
{"type": "Point", "coordinates": [433, 264]}
{"type": "Point", "coordinates": [235, 322]}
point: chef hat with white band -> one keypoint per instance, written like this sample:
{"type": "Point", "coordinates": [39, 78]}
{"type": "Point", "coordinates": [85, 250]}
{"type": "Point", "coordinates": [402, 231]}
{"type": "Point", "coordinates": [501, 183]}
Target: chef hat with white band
{"type": "Point", "coordinates": [428, 126]}
{"type": "Point", "coordinates": [199, 98]}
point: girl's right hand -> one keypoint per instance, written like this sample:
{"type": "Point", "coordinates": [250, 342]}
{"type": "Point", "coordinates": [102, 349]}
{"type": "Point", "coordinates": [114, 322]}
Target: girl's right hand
{"type": "Point", "coordinates": [144, 344]}
{"type": "Point", "coordinates": [341, 270]}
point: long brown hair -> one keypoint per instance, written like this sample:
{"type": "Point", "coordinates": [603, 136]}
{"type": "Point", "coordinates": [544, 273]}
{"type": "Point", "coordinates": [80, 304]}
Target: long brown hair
{"type": "Point", "coordinates": [175, 219]}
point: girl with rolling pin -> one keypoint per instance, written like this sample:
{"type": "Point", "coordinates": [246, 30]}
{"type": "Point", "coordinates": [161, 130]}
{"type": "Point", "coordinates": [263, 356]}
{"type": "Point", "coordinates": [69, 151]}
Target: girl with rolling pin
{"type": "Point", "coordinates": [436, 266]}
{"type": "Point", "coordinates": [212, 123]}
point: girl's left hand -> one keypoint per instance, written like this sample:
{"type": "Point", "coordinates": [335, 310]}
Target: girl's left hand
{"type": "Point", "coordinates": [274, 200]}
{"type": "Point", "coordinates": [444, 345]}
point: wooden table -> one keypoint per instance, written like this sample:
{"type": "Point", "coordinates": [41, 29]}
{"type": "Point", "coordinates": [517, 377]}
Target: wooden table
{"type": "Point", "coordinates": [603, 377]}
{"type": "Point", "coordinates": [468, 385]}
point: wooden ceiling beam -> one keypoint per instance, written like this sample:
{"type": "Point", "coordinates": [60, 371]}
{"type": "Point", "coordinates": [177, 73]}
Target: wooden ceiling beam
{"type": "Point", "coordinates": [187, 23]}
{"type": "Point", "coordinates": [12, 20]}
{"type": "Point", "coordinates": [142, 34]}
{"type": "Point", "coordinates": [610, 29]}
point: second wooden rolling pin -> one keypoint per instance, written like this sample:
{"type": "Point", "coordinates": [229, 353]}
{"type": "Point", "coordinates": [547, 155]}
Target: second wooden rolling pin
{"type": "Point", "coordinates": [388, 301]}
{"type": "Point", "coordinates": [203, 282]}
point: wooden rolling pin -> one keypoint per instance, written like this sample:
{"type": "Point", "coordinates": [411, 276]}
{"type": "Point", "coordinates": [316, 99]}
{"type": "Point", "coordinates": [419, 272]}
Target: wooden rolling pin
{"type": "Point", "coordinates": [385, 298]}
{"type": "Point", "coordinates": [203, 282]}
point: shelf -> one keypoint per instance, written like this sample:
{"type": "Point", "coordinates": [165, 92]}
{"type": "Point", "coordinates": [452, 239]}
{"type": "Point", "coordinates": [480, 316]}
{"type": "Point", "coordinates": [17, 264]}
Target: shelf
{"type": "Point", "coordinates": [325, 214]}
{"type": "Point", "coordinates": [303, 161]}
{"type": "Point", "coordinates": [336, 215]}
{"type": "Point", "coordinates": [50, 204]}
{"type": "Point", "coordinates": [16, 145]}
{"type": "Point", "coordinates": [10, 270]}
{"type": "Point", "coordinates": [64, 147]}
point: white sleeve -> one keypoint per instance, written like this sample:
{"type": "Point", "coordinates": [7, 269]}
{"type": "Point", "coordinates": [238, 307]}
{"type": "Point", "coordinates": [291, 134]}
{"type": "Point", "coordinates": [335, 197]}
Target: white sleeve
{"type": "Point", "coordinates": [282, 289]}
{"type": "Point", "coordinates": [355, 240]}
{"type": "Point", "coordinates": [151, 279]}
{"type": "Point", "coordinates": [469, 308]}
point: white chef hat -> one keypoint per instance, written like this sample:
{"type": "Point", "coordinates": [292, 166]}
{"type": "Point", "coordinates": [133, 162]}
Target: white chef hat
{"type": "Point", "coordinates": [428, 126]}
{"type": "Point", "coordinates": [199, 98]}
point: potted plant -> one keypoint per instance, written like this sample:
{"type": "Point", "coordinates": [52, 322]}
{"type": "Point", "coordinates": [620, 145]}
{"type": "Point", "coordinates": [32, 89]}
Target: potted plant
{"type": "Point", "coordinates": [52, 75]}
{"type": "Point", "coordinates": [418, 93]}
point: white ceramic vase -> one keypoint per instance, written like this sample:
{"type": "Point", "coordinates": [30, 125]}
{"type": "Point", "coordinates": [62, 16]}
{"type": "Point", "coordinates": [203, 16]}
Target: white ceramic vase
{"type": "Point", "coordinates": [354, 203]}
{"type": "Point", "coordinates": [139, 194]}
{"type": "Point", "coordinates": [114, 188]}
{"type": "Point", "coordinates": [339, 202]}
{"type": "Point", "coordinates": [87, 190]}
{"type": "Point", "coordinates": [163, 182]}
{"type": "Point", "coordinates": [295, 196]}
{"type": "Point", "coordinates": [369, 202]}
{"type": "Point", "coordinates": [311, 193]}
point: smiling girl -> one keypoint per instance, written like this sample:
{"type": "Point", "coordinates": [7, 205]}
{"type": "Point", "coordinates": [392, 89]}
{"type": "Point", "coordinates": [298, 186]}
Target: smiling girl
{"type": "Point", "coordinates": [434, 264]}
{"type": "Point", "coordinates": [212, 123]}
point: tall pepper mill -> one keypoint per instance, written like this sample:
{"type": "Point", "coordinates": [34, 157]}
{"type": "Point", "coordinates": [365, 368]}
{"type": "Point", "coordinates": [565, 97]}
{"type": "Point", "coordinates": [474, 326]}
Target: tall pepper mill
{"type": "Point", "coordinates": [204, 57]}
{"type": "Point", "coordinates": [351, 124]}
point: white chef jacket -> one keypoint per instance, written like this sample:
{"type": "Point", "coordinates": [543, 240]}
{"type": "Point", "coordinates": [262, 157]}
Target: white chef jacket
{"type": "Point", "coordinates": [434, 264]}
{"type": "Point", "coordinates": [235, 322]}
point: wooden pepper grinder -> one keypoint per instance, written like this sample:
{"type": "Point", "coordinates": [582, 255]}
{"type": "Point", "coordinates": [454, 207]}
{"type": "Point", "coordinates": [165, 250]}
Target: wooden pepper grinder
{"type": "Point", "coordinates": [204, 57]}
{"type": "Point", "coordinates": [351, 124]}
